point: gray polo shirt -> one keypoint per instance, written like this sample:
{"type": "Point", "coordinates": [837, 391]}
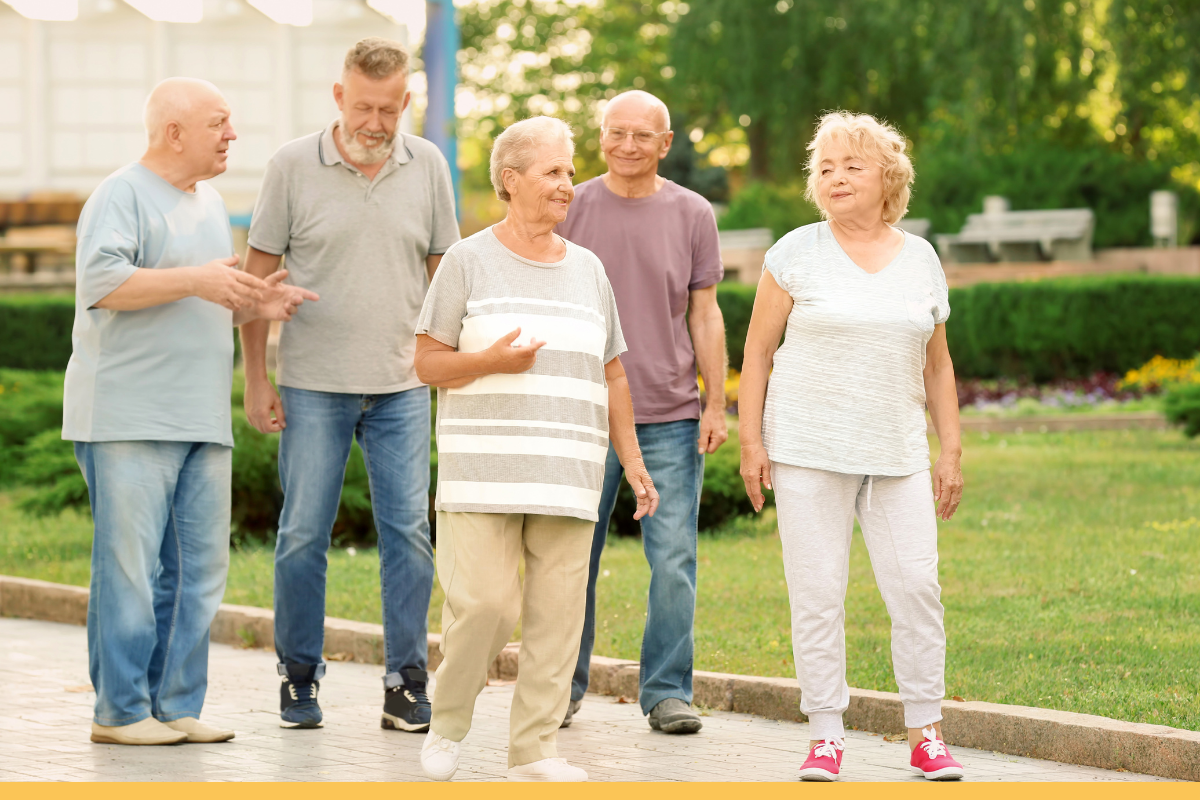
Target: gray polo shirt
{"type": "Point", "coordinates": [361, 245]}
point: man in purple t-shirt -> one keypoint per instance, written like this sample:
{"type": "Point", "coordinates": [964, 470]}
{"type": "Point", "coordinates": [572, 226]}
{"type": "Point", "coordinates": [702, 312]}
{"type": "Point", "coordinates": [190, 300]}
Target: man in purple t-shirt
{"type": "Point", "coordinates": [658, 242]}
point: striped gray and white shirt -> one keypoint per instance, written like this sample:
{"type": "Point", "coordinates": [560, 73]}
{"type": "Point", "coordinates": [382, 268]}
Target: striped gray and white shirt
{"type": "Point", "coordinates": [535, 442]}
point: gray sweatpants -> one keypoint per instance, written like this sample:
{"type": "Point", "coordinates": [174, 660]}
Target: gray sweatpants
{"type": "Point", "coordinates": [816, 519]}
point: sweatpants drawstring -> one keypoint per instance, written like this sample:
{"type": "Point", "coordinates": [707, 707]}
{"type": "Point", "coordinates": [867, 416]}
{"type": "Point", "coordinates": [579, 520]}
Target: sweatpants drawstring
{"type": "Point", "coordinates": [869, 479]}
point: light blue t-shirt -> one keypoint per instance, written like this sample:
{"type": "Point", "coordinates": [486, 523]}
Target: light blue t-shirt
{"type": "Point", "coordinates": [162, 373]}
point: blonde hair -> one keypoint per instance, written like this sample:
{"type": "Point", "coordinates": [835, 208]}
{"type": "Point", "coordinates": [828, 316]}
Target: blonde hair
{"type": "Point", "coordinates": [516, 147]}
{"type": "Point", "coordinates": [871, 140]}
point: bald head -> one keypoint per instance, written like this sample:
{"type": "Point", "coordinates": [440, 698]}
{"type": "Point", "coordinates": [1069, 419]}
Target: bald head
{"type": "Point", "coordinates": [179, 100]}
{"type": "Point", "coordinates": [188, 130]}
{"type": "Point", "coordinates": [638, 104]}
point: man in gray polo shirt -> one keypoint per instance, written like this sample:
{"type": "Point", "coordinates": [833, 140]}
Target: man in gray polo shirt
{"type": "Point", "coordinates": [363, 214]}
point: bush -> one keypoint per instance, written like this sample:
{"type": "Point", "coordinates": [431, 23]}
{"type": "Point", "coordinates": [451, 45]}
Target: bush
{"type": "Point", "coordinates": [722, 495]}
{"type": "Point", "coordinates": [782, 208]}
{"type": "Point", "coordinates": [32, 453]}
{"type": "Point", "coordinates": [35, 331]}
{"type": "Point", "coordinates": [737, 303]}
{"type": "Point", "coordinates": [30, 402]}
{"type": "Point", "coordinates": [258, 499]}
{"type": "Point", "coordinates": [1073, 327]}
{"type": "Point", "coordinates": [1182, 407]}
{"type": "Point", "coordinates": [48, 463]}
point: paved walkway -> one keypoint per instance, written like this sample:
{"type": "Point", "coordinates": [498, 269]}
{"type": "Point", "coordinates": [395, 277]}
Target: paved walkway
{"type": "Point", "coordinates": [44, 726]}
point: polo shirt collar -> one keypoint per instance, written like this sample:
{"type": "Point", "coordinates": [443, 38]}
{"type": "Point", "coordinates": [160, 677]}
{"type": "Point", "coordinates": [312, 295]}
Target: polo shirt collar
{"type": "Point", "coordinates": [330, 155]}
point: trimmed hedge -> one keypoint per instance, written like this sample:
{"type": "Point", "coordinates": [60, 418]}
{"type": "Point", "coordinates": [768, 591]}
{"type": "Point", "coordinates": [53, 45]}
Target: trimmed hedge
{"type": "Point", "coordinates": [737, 302]}
{"type": "Point", "coordinates": [1044, 330]}
{"type": "Point", "coordinates": [1072, 327]}
{"type": "Point", "coordinates": [35, 331]}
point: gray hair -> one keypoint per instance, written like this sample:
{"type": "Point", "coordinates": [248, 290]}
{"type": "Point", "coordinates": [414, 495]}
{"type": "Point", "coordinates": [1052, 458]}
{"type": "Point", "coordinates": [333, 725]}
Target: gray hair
{"type": "Point", "coordinates": [376, 58]}
{"type": "Point", "coordinates": [516, 147]}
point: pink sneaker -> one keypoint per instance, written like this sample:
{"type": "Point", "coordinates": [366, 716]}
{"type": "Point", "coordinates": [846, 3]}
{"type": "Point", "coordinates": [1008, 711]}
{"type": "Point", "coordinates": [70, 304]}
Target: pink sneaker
{"type": "Point", "coordinates": [932, 760]}
{"type": "Point", "coordinates": [824, 761]}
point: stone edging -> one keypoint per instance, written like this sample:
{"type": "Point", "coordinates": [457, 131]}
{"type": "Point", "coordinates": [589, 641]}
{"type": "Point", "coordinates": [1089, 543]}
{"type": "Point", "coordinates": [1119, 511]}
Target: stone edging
{"type": "Point", "coordinates": [1138, 420]}
{"type": "Point", "coordinates": [1018, 730]}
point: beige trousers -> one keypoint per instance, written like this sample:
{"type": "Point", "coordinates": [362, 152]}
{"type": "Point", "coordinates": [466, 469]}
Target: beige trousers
{"type": "Point", "coordinates": [477, 561]}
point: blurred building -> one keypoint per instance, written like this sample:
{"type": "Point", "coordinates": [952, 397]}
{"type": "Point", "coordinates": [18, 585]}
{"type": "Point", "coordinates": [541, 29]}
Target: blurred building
{"type": "Point", "coordinates": [71, 92]}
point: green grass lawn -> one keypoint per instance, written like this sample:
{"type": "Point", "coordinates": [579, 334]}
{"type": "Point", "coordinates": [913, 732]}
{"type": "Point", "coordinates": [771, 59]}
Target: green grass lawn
{"type": "Point", "coordinates": [1071, 579]}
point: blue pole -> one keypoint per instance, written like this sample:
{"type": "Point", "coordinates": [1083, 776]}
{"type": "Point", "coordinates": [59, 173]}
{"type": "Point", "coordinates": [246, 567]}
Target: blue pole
{"type": "Point", "coordinates": [441, 72]}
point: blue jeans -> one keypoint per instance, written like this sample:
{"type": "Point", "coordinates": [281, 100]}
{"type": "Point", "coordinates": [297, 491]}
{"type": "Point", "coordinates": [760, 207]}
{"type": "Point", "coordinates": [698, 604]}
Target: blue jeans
{"type": "Point", "coordinates": [160, 555]}
{"type": "Point", "coordinates": [393, 432]}
{"type": "Point", "coordinates": [669, 539]}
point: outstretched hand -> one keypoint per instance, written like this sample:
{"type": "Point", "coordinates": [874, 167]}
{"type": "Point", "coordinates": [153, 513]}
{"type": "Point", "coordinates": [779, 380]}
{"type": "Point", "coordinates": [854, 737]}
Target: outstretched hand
{"type": "Point", "coordinates": [219, 282]}
{"type": "Point", "coordinates": [280, 300]}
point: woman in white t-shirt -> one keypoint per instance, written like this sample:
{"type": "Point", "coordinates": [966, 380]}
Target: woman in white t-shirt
{"type": "Point", "coordinates": [841, 430]}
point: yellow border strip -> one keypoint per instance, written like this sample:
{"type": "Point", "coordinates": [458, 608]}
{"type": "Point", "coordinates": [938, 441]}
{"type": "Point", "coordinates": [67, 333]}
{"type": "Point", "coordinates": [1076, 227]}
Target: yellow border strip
{"type": "Point", "coordinates": [594, 791]}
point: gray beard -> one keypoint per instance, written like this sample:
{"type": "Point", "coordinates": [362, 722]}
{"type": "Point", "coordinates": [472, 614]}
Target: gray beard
{"type": "Point", "coordinates": [361, 154]}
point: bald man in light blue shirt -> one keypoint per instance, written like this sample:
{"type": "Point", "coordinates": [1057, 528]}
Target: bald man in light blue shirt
{"type": "Point", "coordinates": [147, 403]}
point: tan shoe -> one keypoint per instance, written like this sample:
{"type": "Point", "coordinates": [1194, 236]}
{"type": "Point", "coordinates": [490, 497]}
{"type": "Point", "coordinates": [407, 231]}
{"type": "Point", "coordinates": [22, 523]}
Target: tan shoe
{"type": "Point", "coordinates": [199, 733]}
{"type": "Point", "coordinates": [149, 731]}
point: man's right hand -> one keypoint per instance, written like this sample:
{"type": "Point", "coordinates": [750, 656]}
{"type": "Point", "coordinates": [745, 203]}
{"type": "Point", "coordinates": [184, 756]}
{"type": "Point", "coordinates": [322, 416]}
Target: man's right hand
{"type": "Point", "coordinates": [264, 409]}
{"type": "Point", "coordinates": [504, 357]}
{"type": "Point", "coordinates": [217, 282]}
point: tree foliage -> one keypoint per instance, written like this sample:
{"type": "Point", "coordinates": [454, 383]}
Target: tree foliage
{"type": "Point", "coordinates": [564, 58]}
{"type": "Point", "coordinates": [992, 87]}
{"type": "Point", "coordinates": [977, 76]}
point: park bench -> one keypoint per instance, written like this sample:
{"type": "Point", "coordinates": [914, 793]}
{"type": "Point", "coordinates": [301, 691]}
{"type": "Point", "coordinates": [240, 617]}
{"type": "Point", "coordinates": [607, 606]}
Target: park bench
{"type": "Point", "coordinates": [1048, 235]}
{"type": "Point", "coordinates": [742, 253]}
{"type": "Point", "coordinates": [41, 257]}
{"type": "Point", "coordinates": [917, 227]}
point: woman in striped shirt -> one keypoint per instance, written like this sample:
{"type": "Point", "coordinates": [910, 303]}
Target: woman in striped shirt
{"type": "Point", "coordinates": [520, 334]}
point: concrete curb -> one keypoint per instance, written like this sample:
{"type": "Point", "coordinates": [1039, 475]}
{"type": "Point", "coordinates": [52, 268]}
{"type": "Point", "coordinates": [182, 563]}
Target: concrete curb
{"type": "Point", "coordinates": [1018, 730]}
{"type": "Point", "coordinates": [1140, 420]}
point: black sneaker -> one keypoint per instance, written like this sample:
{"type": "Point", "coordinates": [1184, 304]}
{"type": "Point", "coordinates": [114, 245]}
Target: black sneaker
{"type": "Point", "coordinates": [572, 707]}
{"type": "Point", "coordinates": [406, 707]}
{"type": "Point", "coordinates": [298, 695]}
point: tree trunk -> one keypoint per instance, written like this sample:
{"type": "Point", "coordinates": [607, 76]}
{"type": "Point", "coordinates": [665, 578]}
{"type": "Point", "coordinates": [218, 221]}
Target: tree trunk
{"type": "Point", "coordinates": [760, 155]}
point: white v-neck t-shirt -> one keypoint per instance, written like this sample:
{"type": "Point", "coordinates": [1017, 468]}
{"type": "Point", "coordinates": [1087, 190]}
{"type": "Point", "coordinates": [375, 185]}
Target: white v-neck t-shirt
{"type": "Point", "coordinates": [847, 393]}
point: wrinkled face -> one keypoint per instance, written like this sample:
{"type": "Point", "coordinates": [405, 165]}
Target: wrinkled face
{"type": "Point", "coordinates": [849, 185]}
{"type": "Point", "coordinates": [204, 135]}
{"type": "Point", "coordinates": [544, 192]}
{"type": "Point", "coordinates": [371, 110]}
{"type": "Point", "coordinates": [634, 138]}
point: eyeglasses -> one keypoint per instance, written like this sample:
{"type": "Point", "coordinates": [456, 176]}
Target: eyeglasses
{"type": "Point", "coordinates": [617, 135]}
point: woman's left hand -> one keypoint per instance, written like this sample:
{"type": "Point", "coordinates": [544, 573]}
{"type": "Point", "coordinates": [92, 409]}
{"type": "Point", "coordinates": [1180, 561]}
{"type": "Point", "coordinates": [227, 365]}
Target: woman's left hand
{"type": "Point", "coordinates": [947, 485]}
{"type": "Point", "coordinates": [643, 488]}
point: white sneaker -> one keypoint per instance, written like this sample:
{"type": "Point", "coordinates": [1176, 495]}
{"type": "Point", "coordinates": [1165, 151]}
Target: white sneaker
{"type": "Point", "coordinates": [199, 733]}
{"type": "Point", "coordinates": [548, 769]}
{"type": "Point", "coordinates": [439, 757]}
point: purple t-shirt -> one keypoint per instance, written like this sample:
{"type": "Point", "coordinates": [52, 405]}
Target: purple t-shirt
{"type": "Point", "coordinates": [655, 251]}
